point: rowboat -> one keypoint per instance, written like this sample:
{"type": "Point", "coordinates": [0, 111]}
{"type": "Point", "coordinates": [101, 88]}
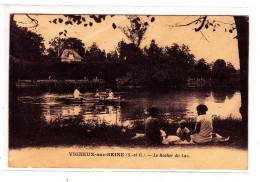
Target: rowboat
{"type": "Point", "coordinates": [93, 100]}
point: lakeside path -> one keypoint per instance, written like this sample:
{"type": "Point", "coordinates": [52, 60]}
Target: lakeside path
{"type": "Point", "coordinates": [170, 157]}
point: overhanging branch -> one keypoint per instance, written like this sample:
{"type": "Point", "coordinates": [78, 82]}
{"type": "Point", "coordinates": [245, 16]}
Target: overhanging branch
{"type": "Point", "coordinates": [33, 21]}
{"type": "Point", "coordinates": [202, 24]}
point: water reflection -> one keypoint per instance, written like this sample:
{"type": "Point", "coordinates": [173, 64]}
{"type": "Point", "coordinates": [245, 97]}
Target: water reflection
{"type": "Point", "coordinates": [222, 105]}
{"type": "Point", "coordinates": [104, 113]}
{"type": "Point", "coordinates": [51, 106]}
{"type": "Point", "coordinates": [219, 97]}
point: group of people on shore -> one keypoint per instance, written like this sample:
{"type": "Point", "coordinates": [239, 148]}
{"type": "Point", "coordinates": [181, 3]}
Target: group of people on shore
{"type": "Point", "coordinates": [202, 133]}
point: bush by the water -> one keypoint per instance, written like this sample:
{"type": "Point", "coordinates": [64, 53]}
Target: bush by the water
{"type": "Point", "coordinates": [77, 131]}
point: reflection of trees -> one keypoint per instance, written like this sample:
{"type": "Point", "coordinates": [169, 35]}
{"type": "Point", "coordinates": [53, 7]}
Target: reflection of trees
{"type": "Point", "coordinates": [219, 96]}
{"type": "Point", "coordinates": [168, 103]}
{"type": "Point", "coordinates": [201, 95]}
{"type": "Point", "coordinates": [230, 93]}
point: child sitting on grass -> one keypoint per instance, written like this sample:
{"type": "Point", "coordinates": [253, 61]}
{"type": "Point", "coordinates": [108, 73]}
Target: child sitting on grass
{"type": "Point", "coordinates": [183, 132]}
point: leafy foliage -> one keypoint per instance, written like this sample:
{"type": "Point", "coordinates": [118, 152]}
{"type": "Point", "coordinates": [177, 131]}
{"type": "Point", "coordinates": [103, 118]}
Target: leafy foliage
{"type": "Point", "coordinates": [135, 31]}
{"type": "Point", "coordinates": [25, 44]}
{"type": "Point", "coordinates": [128, 65]}
{"type": "Point", "coordinates": [58, 45]}
{"type": "Point", "coordinates": [95, 54]}
{"type": "Point", "coordinates": [129, 53]}
{"type": "Point", "coordinates": [219, 66]}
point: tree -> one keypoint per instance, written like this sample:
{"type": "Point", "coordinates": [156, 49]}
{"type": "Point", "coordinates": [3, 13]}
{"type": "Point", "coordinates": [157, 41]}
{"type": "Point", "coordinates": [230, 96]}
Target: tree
{"type": "Point", "coordinates": [95, 54]}
{"type": "Point", "coordinates": [179, 56]}
{"type": "Point", "coordinates": [58, 45]}
{"type": "Point", "coordinates": [129, 53]}
{"type": "Point", "coordinates": [219, 66]}
{"type": "Point", "coordinates": [201, 70]}
{"type": "Point", "coordinates": [202, 65]}
{"type": "Point", "coordinates": [219, 72]}
{"type": "Point", "coordinates": [112, 56]}
{"type": "Point", "coordinates": [180, 62]}
{"type": "Point", "coordinates": [230, 68]}
{"type": "Point", "coordinates": [154, 52]}
{"type": "Point", "coordinates": [25, 44]}
{"type": "Point", "coordinates": [135, 32]}
{"type": "Point", "coordinates": [242, 26]}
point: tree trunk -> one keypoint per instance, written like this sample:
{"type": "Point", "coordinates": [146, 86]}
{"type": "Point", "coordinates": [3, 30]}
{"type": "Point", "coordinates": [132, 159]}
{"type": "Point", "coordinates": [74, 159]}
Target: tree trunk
{"type": "Point", "coordinates": [242, 25]}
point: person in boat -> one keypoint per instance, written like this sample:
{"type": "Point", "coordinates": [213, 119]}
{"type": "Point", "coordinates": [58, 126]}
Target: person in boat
{"type": "Point", "coordinates": [110, 94]}
{"type": "Point", "coordinates": [203, 128]}
{"type": "Point", "coordinates": [107, 92]}
{"type": "Point", "coordinates": [77, 93]}
{"type": "Point", "coordinates": [152, 127]}
{"type": "Point", "coordinates": [97, 95]}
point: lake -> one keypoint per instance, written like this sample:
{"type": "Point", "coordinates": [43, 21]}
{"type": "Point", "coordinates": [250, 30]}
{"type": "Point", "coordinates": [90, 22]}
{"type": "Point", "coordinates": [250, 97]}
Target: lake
{"type": "Point", "coordinates": [175, 105]}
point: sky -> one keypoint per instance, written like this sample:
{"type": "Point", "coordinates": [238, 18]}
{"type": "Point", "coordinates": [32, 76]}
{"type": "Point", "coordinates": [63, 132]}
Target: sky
{"type": "Point", "coordinates": [165, 30]}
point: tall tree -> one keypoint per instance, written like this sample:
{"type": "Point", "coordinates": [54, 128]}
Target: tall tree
{"type": "Point", "coordinates": [112, 56]}
{"type": "Point", "coordinates": [136, 30]}
{"type": "Point", "coordinates": [242, 25]}
{"type": "Point", "coordinates": [129, 53]}
{"type": "Point", "coordinates": [202, 65]}
{"type": "Point", "coordinates": [93, 53]}
{"type": "Point", "coordinates": [25, 44]}
{"type": "Point", "coordinates": [153, 52]}
{"type": "Point", "coordinates": [58, 45]}
{"type": "Point", "coordinates": [230, 68]}
{"type": "Point", "coordinates": [219, 66]}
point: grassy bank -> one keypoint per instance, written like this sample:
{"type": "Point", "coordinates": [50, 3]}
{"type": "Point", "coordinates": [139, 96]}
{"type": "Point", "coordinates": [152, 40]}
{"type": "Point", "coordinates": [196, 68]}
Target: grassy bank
{"type": "Point", "coordinates": [76, 131]}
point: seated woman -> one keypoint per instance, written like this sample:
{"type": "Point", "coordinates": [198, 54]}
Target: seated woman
{"type": "Point", "coordinates": [152, 127]}
{"type": "Point", "coordinates": [203, 128]}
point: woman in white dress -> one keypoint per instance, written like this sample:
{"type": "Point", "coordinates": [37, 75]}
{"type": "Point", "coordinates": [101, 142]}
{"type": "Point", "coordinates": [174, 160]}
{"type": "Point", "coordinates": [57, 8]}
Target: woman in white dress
{"type": "Point", "coordinates": [203, 128]}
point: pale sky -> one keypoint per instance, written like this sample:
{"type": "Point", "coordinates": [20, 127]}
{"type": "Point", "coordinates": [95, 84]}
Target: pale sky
{"type": "Point", "coordinates": [219, 44]}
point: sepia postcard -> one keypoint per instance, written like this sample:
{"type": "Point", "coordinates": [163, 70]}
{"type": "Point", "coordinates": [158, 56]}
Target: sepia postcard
{"type": "Point", "coordinates": [128, 91]}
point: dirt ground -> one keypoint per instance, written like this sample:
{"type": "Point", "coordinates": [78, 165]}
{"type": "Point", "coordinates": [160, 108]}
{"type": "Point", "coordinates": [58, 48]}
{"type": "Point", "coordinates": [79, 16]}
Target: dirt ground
{"type": "Point", "coordinates": [103, 157]}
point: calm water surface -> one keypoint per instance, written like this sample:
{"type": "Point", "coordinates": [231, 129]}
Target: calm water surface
{"type": "Point", "coordinates": [50, 106]}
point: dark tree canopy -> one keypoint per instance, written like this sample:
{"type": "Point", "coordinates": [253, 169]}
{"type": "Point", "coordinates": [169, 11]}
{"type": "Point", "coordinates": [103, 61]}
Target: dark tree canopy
{"type": "Point", "coordinates": [112, 56]}
{"type": "Point", "coordinates": [25, 44]}
{"type": "Point", "coordinates": [129, 52]}
{"type": "Point", "coordinates": [230, 68]}
{"type": "Point", "coordinates": [135, 31]}
{"type": "Point", "coordinates": [58, 45]}
{"type": "Point", "coordinates": [154, 51]}
{"type": "Point", "coordinates": [219, 66]}
{"type": "Point", "coordinates": [202, 65]}
{"type": "Point", "coordinates": [94, 53]}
